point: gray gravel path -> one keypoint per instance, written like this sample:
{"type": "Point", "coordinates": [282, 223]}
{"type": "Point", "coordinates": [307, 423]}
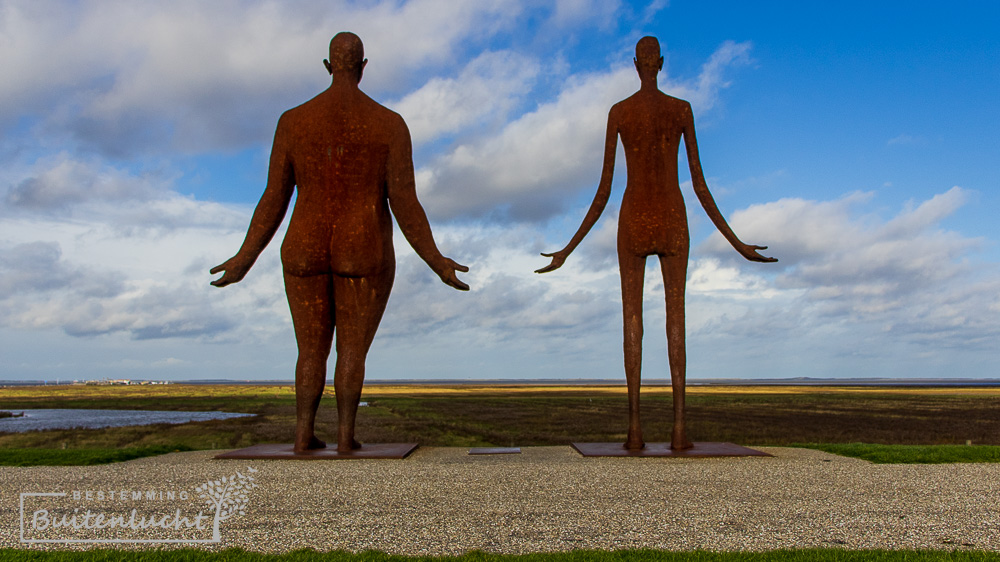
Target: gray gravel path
{"type": "Point", "coordinates": [442, 501]}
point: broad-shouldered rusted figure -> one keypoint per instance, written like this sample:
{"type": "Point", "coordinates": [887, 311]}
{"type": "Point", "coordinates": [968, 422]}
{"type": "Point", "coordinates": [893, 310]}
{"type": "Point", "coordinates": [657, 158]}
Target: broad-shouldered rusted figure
{"type": "Point", "coordinates": [351, 160]}
{"type": "Point", "coordinates": [652, 221]}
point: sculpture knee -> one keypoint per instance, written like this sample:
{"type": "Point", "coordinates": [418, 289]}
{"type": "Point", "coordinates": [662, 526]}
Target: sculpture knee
{"type": "Point", "coordinates": [350, 364]}
{"type": "Point", "coordinates": [311, 364]}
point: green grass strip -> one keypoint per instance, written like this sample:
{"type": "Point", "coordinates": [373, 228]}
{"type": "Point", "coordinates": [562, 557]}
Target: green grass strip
{"type": "Point", "coordinates": [237, 555]}
{"type": "Point", "coordinates": [81, 457]}
{"type": "Point", "coordinates": [910, 454]}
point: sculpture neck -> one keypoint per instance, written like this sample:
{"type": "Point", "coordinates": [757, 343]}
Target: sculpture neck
{"type": "Point", "coordinates": [344, 81]}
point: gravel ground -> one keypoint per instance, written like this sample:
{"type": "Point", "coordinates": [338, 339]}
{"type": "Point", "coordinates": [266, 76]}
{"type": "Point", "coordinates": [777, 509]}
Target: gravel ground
{"type": "Point", "coordinates": [443, 501]}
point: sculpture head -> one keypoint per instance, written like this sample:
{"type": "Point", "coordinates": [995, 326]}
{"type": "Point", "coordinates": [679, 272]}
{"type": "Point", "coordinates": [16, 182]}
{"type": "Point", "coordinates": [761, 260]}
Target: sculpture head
{"type": "Point", "coordinates": [347, 56]}
{"type": "Point", "coordinates": [648, 61]}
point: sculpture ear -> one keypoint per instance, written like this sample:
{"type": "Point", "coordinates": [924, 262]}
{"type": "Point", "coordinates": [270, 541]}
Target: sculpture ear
{"type": "Point", "coordinates": [329, 68]}
{"type": "Point", "coordinates": [660, 65]}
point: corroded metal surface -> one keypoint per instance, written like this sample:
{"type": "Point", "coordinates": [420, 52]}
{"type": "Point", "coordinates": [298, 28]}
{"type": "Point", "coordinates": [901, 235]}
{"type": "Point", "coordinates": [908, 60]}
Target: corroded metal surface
{"type": "Point", "coordinates": [287, 451]}
{"type": "Point", "coordinates": [351, 161]}
{"type": "Point", "coordinates": [652, 221]}
{"type": "Point", "coordinates": [698, 449]}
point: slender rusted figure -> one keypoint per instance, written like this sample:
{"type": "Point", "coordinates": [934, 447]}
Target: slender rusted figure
{"type": "Point", "coordinates": [351, 160]}
{"type": "Point", "coordinates": [652, 221]}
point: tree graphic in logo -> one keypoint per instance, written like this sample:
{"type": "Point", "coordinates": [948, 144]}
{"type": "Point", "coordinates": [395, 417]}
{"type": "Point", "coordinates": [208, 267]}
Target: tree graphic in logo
{"type": "Point", "coordinates": [228, 496]}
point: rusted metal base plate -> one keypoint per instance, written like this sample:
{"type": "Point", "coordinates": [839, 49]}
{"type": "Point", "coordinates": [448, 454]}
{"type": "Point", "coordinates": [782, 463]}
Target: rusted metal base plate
{"type": "Point", "coordinates": [701, 449]}
{"type": "Point", "coordinates": [495, 451]}
{"type": "Point", "coordinates": [286, 451]}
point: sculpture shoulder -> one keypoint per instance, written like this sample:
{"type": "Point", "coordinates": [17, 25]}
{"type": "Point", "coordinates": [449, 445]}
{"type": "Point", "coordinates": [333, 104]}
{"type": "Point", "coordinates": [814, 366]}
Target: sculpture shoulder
{"type": "Point", "coordinates": [352, 111]}
{"type": "Point", "coordinates": [655, 99]}
{"type": "Point", "coordinates": [666, 102]}
{"type": "Point", "coordinates": [392, 119]}
{"type": "Point", "coordinates": [303, 109]}
{"type": "Point", "coordinates": [676, 105]}
{"type": "Point", "coordinates": [618, 108]}
{"type": "Point", "coordinates": [293, 117]}
{"type": "Point", "coordinates": [376, 111]}
{"type": "Point", "coordinates": [356, 103]}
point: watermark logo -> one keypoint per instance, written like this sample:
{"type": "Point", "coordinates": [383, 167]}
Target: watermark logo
{"type": "Point", "coordinates": [135, 516]}
{"type": "Point", "coordinates": [228, 496]}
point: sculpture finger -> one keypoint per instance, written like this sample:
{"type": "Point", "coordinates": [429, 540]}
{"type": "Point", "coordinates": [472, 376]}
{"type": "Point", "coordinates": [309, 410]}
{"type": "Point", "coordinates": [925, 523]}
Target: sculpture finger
{"type": "Point", "coordinates": [457, 283]}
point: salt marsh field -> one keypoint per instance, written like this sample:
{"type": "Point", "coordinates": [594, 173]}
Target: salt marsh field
{"type": "Point", "coordinates": [477, 415]}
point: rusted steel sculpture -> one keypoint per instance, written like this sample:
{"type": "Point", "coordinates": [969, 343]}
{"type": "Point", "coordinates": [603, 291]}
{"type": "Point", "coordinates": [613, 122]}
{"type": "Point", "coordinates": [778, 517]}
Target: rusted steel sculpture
{"type": "Point", "coordinates": [351, 161]}
{"type": "Point", "coordinates": [652, 221]}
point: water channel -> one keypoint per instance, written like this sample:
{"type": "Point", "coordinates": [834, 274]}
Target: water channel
{"type": "Point", "coordinates": [41, 419]}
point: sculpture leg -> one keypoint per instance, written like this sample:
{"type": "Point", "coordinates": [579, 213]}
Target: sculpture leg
{"type": "Point", "coordinates": [309, 299]}
{"type": "Point", "coordinates": [674, 270]}
{"type": "Point", "coordinates": [632, 270]}
{"type": "Point", "coordinates": [360, 302]}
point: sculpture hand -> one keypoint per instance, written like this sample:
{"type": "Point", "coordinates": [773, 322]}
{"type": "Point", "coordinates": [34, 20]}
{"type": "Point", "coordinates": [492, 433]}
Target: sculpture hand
{"type": "Point", "coordinates": [558, 258]}
{"type": "Point", "coordinates": [749, 252]}
{"type": "Point", "coordinates": [235, 269]}
{"type": "Point", "coordinates": [448, 274]}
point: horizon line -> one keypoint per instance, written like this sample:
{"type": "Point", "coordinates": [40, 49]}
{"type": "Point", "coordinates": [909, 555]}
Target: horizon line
{"type": "Point", "coordinates": [789, 381]}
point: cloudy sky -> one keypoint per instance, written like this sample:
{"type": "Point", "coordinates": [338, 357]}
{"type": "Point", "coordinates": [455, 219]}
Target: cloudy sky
{"type": "Point", "coordinates": [858, 140]}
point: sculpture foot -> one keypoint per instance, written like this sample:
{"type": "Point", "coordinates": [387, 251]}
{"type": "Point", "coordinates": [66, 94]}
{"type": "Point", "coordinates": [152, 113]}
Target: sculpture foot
{"type": "Point", "coordinates": [635, 444]}
{"type": "Point", "coordinates": [353, 445]}
{"type": "Point", "coordinates": [680, 442]}
{"type": "Point", "coordinates": [634, 440]}
{"type": "Point", "coordinates": [311, 445]}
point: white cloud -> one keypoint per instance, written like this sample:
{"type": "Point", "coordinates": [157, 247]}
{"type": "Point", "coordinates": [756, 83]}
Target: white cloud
{"type": "Point", "coordinates": [535, 160]}
{"type": "Point", "coordinates": [36, 267]}
{"type": "Point", "coordinates": [132, 259]}
{"type": "Point", "coordinates": [538, 160]}
{"type": "Point", "coordinates": [652, 9]}
{"type": "Point", "coordinates": [129, 203]}
{"type": "Point", "coordinates": [570, 12]}
{"type": "Point", "coordinates": [483, 93]}
{"type": "Point", "coordinates": [703, 92]}
{"type": "Point", "coordinates": [508, 301]}
{"type": "Point", "coordinates": [906, 275]}
{"type": "Point", "coordinates": [710, 277]}
{"type": "Point", "coordinates": [86, 279]}
{"type": "Point", "coordinates": [94, 250]}
{"type": "Point", "coordinates": [45, 290]}
{"type": "Point", "coordinates": [61, 183]}
{"type": "Point", "coordinates": [142, 76]}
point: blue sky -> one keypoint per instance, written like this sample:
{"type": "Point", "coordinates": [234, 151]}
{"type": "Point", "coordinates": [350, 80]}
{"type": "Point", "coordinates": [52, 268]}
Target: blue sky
{"type": "Point", "coordinates": [858, 140]}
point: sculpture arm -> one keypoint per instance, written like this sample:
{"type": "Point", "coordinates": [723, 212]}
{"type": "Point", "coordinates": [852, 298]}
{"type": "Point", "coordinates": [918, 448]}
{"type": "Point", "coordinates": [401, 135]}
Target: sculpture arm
{"type": "Point", "coordinates": [410, 215]}
{"type": "Point", "coordinates": [748, 251]}
{"type": "Point", "coordinates": [267, 216]}
{"type": "Point", "coordinates": [600, 198]}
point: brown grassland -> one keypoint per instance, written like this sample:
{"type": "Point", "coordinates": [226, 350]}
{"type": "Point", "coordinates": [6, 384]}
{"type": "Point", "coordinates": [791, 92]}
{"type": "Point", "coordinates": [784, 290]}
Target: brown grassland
{"type": "Point", "coordinates": [526, 415]}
